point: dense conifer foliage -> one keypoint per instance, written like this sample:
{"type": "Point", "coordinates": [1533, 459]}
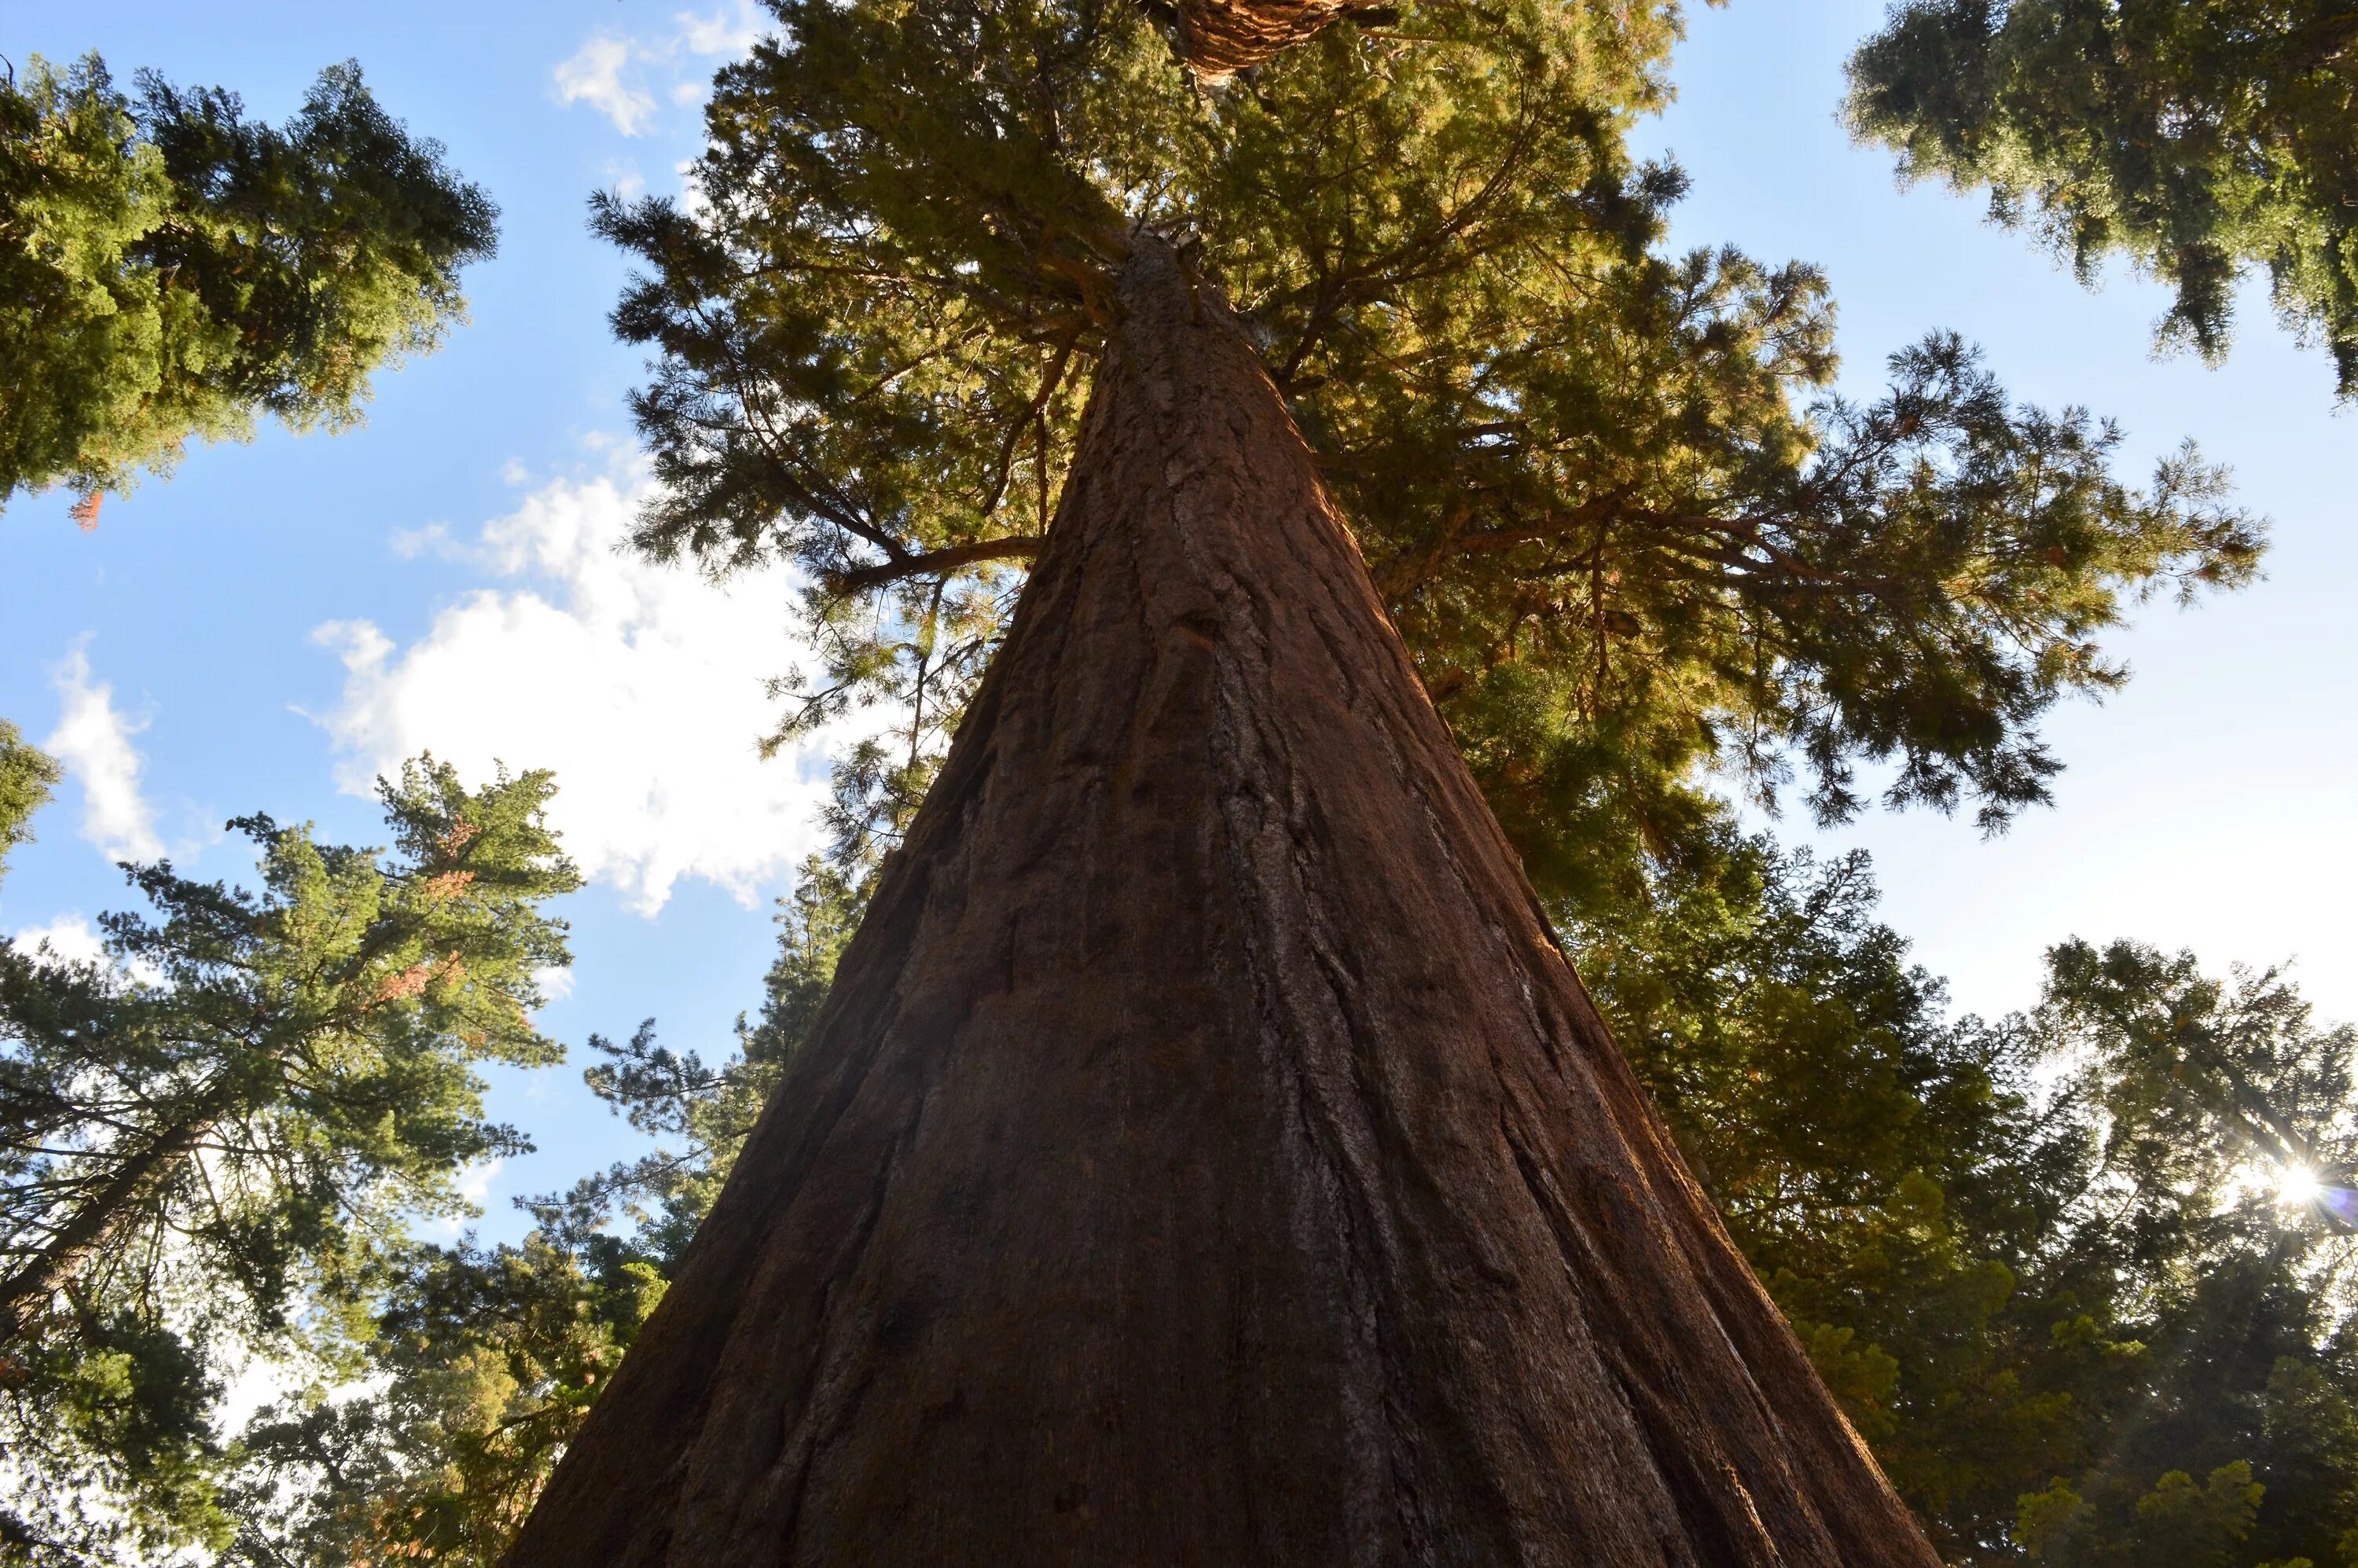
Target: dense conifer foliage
{"type": "Point", "coordinates": [1625, 532]}
{"type": "Point", "coordinates": [212, 1142]}
{"type": "Point", "coordinates": [2200, 141]}
{"type": "Point", "coordinates": [28, 774]}
{"type": "Point", "coordinates": [171, 270]}
{"type": "Point", "coordinates": [2077, 1296]}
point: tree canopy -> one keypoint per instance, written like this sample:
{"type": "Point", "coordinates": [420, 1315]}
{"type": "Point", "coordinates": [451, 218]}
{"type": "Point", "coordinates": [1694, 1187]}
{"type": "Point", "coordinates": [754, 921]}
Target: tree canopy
{"type": "Point", "coordinates": [2200, 142]}
{"type": "Point", "coordinates": [171, 270]}
{"type": "Point", "coordinates": [1624, 530]}
{"type": "Point", "coordinates": [2080, 1276]}
{"type": "Point", "coordinates": [212, 1141]}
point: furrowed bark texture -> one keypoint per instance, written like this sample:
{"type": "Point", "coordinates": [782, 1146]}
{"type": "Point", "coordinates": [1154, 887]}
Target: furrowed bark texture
{"type": "Point", "coordinates": [1205, 1155]}
{"type": "Point", "coordinates": [1219, 38]}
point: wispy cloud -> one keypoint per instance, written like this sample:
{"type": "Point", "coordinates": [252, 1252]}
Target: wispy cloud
{"type": "Point", "coordinates": [732, 29]}
{"type": "Point", "coordinates": [640, 685]}
{"type": "Point", "coordinates": [619, 76]}
{"type": "Point", "coordinates": [593, 75]}
{"type": "Point", "coordinates": [474, 1185]}
{"type": "Point", "coordinates": [433, 539]}
{"type": "Point", "coordinates": [93, 741]}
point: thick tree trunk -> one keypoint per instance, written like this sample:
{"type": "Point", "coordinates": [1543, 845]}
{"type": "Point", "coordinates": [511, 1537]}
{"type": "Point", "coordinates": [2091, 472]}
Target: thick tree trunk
{"type": "Point", "coordinates": [1206, 1156]}
{"type": "Point", "coordinates": [1219, 38]}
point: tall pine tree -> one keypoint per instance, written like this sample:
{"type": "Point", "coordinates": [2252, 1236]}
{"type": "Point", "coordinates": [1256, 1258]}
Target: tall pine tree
{"type": "Point", "coordinates": [210, 1142]}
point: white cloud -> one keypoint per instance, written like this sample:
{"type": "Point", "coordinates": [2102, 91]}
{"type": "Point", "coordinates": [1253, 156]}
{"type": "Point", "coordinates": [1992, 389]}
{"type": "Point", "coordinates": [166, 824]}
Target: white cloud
{"type": "Point", "coordinates": [625, 181]}
{"type": "Point", "coordinates": [640, 685]}
{"type": "Point", "coordinates": [433, 539]}
{"type": "Point", "coordinates": [732, 30]}
{"type": "Point", "coordinates": [474, 1185]}
{"type": "Point", "coordinates": [93, 741]}
{"type": "Point", "coordinates": [594, 76]}
{"type": "Point", "coordinates": [69, 937]}
{"type": "Point", "coordinates": [611, 73]}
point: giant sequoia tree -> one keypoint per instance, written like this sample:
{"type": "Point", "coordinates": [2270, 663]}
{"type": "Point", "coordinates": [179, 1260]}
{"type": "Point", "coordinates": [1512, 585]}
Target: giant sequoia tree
{"type": "Point", "coordinates": [1206, 1152]}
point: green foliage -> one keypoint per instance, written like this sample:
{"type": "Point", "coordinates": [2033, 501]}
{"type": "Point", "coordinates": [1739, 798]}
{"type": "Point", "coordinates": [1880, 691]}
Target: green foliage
{"type": "Point", "coordinates": [1889, 1173]}
{"type": "Point", "coordinates": [2199, 141]}
{"type": "Point", "coordinates": [28, 775]}
{"type": "Point", "coordinates": [2203, 1095]}
{"type": "Point", "coordinates": [170, 270]}
{"type": "Point", "coordinates": [1625, 534]}
{"type": "Point", "coordinates": [2184, 1058]}
{"type": "Point", "coordinates": [483, 1363]}
{"type": "Point", "coordinates": [211, 1144]}
{"type": "Point", "coordinates": [2043, 1263]}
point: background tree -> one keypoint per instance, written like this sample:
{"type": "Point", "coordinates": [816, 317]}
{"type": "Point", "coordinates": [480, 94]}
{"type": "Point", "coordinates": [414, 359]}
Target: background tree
{"type": "Point", "coordinates": [1626, 536]}
{"type": "Point", "coordinates": [2072, 1274]}
{"type": "Point", "coordinates": [2219, 1210]}
{"type": "Point", "coordinates": [2200, 141]}
{"type": "Point", "coordinates": [212, 1143]}
{"type": "Point", "coordinates": [481, 1362]}
{"type": "Point", "coordinates": [171, 270]}
{"type": "Point", "coordinates": [28, 774]}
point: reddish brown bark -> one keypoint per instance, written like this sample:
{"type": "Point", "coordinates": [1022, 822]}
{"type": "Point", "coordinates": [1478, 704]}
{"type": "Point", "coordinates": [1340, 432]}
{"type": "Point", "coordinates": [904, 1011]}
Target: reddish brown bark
{"type": "Point", "coordinates": [1205, 1155]}
{"type": "Point", "coordinates": [1219, 38]}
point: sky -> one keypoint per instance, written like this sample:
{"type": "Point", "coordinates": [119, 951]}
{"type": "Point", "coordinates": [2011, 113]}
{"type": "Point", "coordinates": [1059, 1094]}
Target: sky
{"type": "Point", "coordinates": [279, 621]}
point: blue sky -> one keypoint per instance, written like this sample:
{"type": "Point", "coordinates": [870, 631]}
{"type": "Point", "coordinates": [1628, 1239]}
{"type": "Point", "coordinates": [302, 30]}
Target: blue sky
{"type": "Point", "coordinates": [277, 620]}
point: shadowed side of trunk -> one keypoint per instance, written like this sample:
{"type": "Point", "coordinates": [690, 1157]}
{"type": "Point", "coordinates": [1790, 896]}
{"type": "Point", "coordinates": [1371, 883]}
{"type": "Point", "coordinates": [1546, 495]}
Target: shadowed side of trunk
{"type": "Point", "coordinates": [1205, 1155]}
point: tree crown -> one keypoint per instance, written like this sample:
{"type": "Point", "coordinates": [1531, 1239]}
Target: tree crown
{"type": "Point", "coordinates": [2198, 141]}
{"type": "Point", "coordinates": [1623, 529]}
{"type": "Point", "coordinates": [173, 270]}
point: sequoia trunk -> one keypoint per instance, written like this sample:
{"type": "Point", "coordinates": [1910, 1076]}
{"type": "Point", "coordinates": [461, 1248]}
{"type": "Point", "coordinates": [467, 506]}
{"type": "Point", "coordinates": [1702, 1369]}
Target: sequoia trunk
{"type": "Point", "coordinates": [1219, 38]}
{"type": "Point", "coordinates": [1206, 1156]}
